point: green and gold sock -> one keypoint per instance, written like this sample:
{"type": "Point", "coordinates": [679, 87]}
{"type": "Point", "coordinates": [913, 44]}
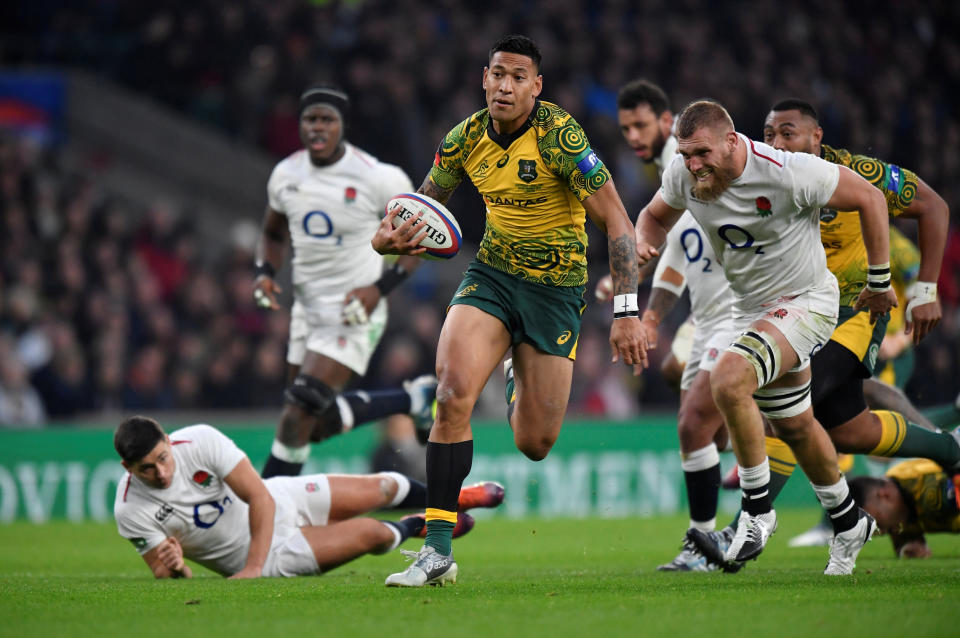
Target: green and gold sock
{"type": "Point", "coordinates": [903, 439]}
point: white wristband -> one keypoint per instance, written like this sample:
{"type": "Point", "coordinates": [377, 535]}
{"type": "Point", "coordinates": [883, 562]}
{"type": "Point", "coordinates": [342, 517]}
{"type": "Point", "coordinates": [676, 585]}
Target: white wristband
{"type": "Point", "coordinates": [625, 306]}
{"type": "Point", "coordinates": [878, 277]}
{"type": "Point", "coordinates": [921, 292]}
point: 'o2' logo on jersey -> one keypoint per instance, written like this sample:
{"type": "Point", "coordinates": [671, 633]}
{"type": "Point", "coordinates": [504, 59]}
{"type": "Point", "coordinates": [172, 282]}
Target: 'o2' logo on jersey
{"type": "Point", "coordinates": [692, 242]}
{"type": "Point", "coordinates": [318, 224]}
{"type": "Point", "coordinates": [738, 238]}
{"type": "Point", "coordinates": [206, 515]}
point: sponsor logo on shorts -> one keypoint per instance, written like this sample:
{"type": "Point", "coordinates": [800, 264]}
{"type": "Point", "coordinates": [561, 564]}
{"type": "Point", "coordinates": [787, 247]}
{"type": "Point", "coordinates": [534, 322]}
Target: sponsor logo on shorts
{"type": "Point", "coordinates": [779, 313]}
{"type": "Point", "coordinates": [872, 355]}
{"type": "Point", "coordinates": [139, 543]}
{"type": "Point", "coordinates": [312, 487]}
{"type": "Point", "coordinates": [341, 342]}
{"type": "Point", "coordinates": [712, 354]}
{"type": "Point", "coordinates": [764, 208]}
{"type": "Point", "coordinates": [564, 337]}
{"type": "Point", "coordinates": [528, 170]}
{"type": "Point", "coordinates": [827, 215]}
{"type": "Point", "coordinates": [467, 290]}
{"type": "Point", "coordinates": [203, 478]}
{"type": "Point", "coordinates": [817, 348]}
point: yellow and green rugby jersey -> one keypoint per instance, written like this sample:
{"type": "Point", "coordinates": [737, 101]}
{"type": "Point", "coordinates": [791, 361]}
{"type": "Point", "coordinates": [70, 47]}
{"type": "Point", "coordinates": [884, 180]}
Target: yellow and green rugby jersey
{"type": "Point", "coordinates": [931, 496]}
{"type": "Point", "coordinates": [840, 230]}
{"type": "Point", "coordinates": [532, 182]}
{"type": "Point", "coordinates": [904, 267]}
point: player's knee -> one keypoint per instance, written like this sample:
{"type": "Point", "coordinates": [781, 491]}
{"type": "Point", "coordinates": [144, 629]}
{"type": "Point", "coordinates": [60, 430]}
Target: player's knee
{"type": "Point", "coordinates": [534, 447]}
{"type": "Point", "coordinates": [314, 407]}
{"type": "Point", "coordinates": [454, 403]}
{"type": "Point", "coordinates": [730, 385]}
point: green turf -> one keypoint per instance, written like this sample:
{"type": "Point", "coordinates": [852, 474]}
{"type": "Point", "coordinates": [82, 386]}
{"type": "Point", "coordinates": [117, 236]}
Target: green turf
{"type": "Point", "coordinates": [531, 577]}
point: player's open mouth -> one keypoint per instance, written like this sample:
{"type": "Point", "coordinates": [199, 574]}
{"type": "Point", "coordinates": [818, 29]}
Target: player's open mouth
{"type": "Point", "coordinates": [317, 143]}
{"type": "Point", "coordinates": [703, 175]}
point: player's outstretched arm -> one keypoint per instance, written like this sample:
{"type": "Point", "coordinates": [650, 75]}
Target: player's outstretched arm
{"type": "Point", "coordinates": [248, 485]}
{"type": "Point", "coordinates": [166, 560]}
{"type": "Point", "coordinates": [271, 245]}
{"type": "Point", "coordinates": [855, 193]}
{"type": "Point", "coordinates": [923, 310]}
{"type": "Point", "coordinates": [626, 336]}
{"type": "Point", "coordinates": [653, 223]}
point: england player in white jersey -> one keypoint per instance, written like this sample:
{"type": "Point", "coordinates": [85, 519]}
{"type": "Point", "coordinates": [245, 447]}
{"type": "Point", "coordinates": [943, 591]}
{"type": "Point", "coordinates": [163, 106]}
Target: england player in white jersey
{"type": "Point", "coordinates": [327, 200]}
{"type": "Point", "coordinates": [688, 262]}
{"type": "Point", "coordinates": [194, 494]}
{"type": "Point", "coordinates": [759, 208]}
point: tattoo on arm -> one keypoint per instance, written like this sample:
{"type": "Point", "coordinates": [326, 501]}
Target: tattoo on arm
{"type": "Point", "coordinates": [661, 302]}
{"type": "Point", "coordinates": [430, 189]}
{"type": "Point", "coordinates": [623, 264]}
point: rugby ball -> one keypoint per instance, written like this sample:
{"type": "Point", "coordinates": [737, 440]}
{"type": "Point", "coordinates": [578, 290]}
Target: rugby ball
{"type": "Point", "coordinates": [442, 240]}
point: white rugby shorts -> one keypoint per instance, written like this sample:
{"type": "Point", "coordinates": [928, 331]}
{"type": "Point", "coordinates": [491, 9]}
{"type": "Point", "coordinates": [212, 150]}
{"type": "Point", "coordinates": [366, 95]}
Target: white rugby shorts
{"type": "Point", "coordinates": [708, 344]}
{"type": "Point", "coordinates": [326, 334]}
{"type": "Point", "coordinates": [806, 320]}
{"type": "Point", "coordinates": [301, 501]}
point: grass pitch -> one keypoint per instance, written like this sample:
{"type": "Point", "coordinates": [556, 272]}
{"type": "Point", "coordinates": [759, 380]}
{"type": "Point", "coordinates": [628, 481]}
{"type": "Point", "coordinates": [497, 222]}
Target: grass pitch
{"type": "Point", "coordinates": [517, 578]}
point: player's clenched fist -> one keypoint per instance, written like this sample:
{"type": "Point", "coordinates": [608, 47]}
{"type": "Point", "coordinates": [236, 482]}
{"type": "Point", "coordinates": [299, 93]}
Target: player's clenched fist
{"type": "Point", "coordinates": [171, 554]}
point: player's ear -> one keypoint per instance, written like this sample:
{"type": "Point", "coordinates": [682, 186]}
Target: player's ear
{"type": "Point", "coordinates": [537, 85]}
{"type": "Point", "coordinates": [483, 83]}
{"type": "Point", "coordinates": [818, 135]}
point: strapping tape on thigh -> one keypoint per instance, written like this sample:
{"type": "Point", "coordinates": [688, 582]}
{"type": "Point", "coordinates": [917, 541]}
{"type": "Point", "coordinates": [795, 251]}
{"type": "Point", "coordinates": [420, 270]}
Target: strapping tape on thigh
{"type": "Point", "coordinates": [760, 350]}
{"type": "Point", "coordinates": [781, 403]}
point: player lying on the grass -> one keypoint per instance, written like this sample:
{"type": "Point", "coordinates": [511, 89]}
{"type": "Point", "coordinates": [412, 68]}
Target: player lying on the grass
{"type": "Point", "coordinates": [915, 497]}
{"type": "Point", "coordinates": [194, 494]}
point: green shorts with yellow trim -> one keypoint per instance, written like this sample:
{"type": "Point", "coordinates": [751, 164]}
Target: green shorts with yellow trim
{"type": "Point", "coordinates": [855, 333]}
{"type": "Point", "coordinates": [546, 317]}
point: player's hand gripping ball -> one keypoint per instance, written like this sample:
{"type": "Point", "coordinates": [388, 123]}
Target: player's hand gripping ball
{"type": "Point", "coordinates": [442, 240]}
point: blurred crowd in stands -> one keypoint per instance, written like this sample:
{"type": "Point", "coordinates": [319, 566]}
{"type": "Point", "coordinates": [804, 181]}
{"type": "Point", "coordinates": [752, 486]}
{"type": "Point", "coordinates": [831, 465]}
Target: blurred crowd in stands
{"type": "Point", "coordinates": [114, 304]}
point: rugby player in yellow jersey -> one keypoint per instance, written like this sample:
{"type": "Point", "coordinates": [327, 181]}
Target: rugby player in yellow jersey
{"type": "Point", "coordinates": [916, 497]}
{"type": "Point", "coordinates": [539, 179]}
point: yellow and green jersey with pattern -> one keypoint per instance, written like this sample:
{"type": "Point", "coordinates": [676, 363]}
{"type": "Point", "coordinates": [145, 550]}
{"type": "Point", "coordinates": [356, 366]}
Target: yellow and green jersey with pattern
{"type": "Point", "coordinates": [840, 230]}
{"type": "Point", "coordinates": [931, 497]}
{"type": "Point", "coordinates": [904, 268]}
{"type": "Point", "coordinates": [532, 182]}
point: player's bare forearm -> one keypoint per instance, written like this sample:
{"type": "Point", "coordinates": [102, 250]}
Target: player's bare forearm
{"type": "Point", "coordinates": [274, 235]}
{"type": "Point", "coordinates": [653, 223]}
{"type": "Point", "coordinates": [262, 510]}
{"type": "Point", "coordinates": [248, 485]}
{"type": "Point", "coordinates": [855, 193]}
{"type": "Point", "coordinates": [623, 264]}
{"type": "Point", "coordinates": [660, 304]}
{"type": "Point", "coordinates": [409, 262]}
{"type": "Point", "coordinates": [933, 221]}
{"type": "Point", "coordinates": [430, 189]}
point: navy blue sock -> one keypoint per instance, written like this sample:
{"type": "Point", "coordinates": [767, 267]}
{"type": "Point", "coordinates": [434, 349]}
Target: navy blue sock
{"type": "Point", "coordinates": [276, 467]}
{"type": "Point", "coordinates": [371, 406]}
{"type": "Point", "coordinates": [408, 526]}
{"type": "Point", "coordinates": [416, 498]}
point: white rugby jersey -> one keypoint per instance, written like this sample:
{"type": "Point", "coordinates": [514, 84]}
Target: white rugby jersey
{"type": "Point", "coordinates": [199, 508]}
{"type": "Point", "coordinates": [333, 212]}
{"type": "Point", "coordinates": [690, 253]}
{"type": "Point", "coordinates": [765, 228]}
